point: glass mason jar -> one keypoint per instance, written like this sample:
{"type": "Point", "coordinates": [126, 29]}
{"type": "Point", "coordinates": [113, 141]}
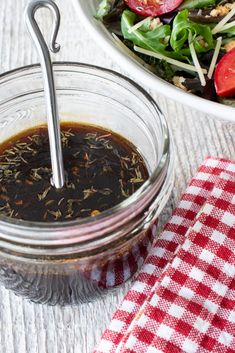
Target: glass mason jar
{"type": "Point", "coordinates": [73, 262]}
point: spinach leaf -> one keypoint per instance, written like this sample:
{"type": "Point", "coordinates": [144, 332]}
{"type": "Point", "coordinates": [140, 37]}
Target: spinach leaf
{"type": "Point", "coordinates": [164, 70]}
{"type": "Point", "coordinates": [182, 27]}
{"type": "Point", "coordinates": [145, 37]}
{"type": "Point", "coordinates": [160, 67]}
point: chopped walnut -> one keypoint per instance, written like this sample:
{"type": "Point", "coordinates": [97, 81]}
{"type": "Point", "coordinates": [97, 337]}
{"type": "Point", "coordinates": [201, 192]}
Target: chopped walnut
{"type": "Point", "coordinates": [222, 10]}
{"type": "Point", "coordinates": [230, 5]}
{"type": "Point", "coordinates": [178, 82]}
{"type": "Point", "coordinates": [155, 23]}
{"type": "Point", "coordinates": [202, 42]}
{"type": "Point", "coordinates": [229, 45]}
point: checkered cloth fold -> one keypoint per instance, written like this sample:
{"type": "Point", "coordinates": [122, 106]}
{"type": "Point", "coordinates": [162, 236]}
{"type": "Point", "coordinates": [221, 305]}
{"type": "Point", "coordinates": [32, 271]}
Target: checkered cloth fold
{"type": "Point", "coordinates": [184, 297]}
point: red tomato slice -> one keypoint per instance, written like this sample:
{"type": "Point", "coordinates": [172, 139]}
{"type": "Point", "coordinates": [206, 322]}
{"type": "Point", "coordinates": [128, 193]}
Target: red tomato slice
{"type": "Point", "coordinates": [153, 7]}
{"type": "Point", "coordinates": [225, 75]}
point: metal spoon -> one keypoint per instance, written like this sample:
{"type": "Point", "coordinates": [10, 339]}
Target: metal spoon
{"type": "Point", "coordinates": [58, 177]}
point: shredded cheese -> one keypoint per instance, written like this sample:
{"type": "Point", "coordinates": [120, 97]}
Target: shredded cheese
{"type": "Point", "coordinates": [196, 62]}
{"type": "Point", "coordinates": [227, 26]}
{"type": "Point", "coordinates": [139, 24]}
{"type": "Point", "coordinates": [215, 57]}
{"type": "Point", "coordinates": [130, 53]}
{"type": "Point", "coordinates": [169, 60]}
{"type": "Point", "coordinates": [220, 25]}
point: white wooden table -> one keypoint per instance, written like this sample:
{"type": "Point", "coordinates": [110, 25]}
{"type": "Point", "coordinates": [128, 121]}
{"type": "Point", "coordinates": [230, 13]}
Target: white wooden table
{"type": "Point", "coordinates": [30, 328]}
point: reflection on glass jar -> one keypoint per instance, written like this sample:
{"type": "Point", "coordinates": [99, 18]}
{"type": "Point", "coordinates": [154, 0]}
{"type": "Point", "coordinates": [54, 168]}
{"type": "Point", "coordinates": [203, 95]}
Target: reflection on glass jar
{"type": "Point", "coordinates": [73, 262]}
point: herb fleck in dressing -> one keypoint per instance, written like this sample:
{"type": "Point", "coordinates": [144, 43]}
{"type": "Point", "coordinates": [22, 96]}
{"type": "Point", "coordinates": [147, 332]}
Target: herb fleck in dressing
{"type": "Point", "coordinates": [102, 168]}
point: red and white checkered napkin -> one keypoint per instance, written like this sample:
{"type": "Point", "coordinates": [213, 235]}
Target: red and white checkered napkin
{"type": "Point", "coordinates": [184, 298]}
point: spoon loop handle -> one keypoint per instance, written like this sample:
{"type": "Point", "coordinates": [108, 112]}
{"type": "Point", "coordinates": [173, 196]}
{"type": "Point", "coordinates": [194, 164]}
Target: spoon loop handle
{"type": "Point", "coordinates": [58, 176]}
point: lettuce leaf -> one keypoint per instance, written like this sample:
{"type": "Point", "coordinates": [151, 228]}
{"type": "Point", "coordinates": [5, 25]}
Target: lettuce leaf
{"type": "Point", "coordinates": [147, 38]}
{"type": "Point", "coordinates": [201, 34]}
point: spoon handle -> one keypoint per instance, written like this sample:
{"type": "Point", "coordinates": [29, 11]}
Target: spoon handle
{"type": "Point", "coordinates": [58, 176]}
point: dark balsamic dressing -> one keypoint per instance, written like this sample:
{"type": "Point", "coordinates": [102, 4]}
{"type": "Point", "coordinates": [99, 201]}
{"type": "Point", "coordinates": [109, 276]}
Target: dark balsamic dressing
{"type": "Point", "coordinates": [102, 169]}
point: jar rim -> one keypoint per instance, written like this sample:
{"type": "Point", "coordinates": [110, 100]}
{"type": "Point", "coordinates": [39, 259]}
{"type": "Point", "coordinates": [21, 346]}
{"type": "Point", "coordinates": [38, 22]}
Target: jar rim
{"type": "Point", "coordinates": [57, 230]}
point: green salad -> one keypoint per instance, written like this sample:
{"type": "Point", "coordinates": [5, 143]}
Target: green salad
{"type": "Point", "coordinates": [190, 43]}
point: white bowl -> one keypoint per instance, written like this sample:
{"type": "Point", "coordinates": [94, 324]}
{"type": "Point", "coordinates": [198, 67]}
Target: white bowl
{"type": "Point", "coordinates": [86, 11]}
